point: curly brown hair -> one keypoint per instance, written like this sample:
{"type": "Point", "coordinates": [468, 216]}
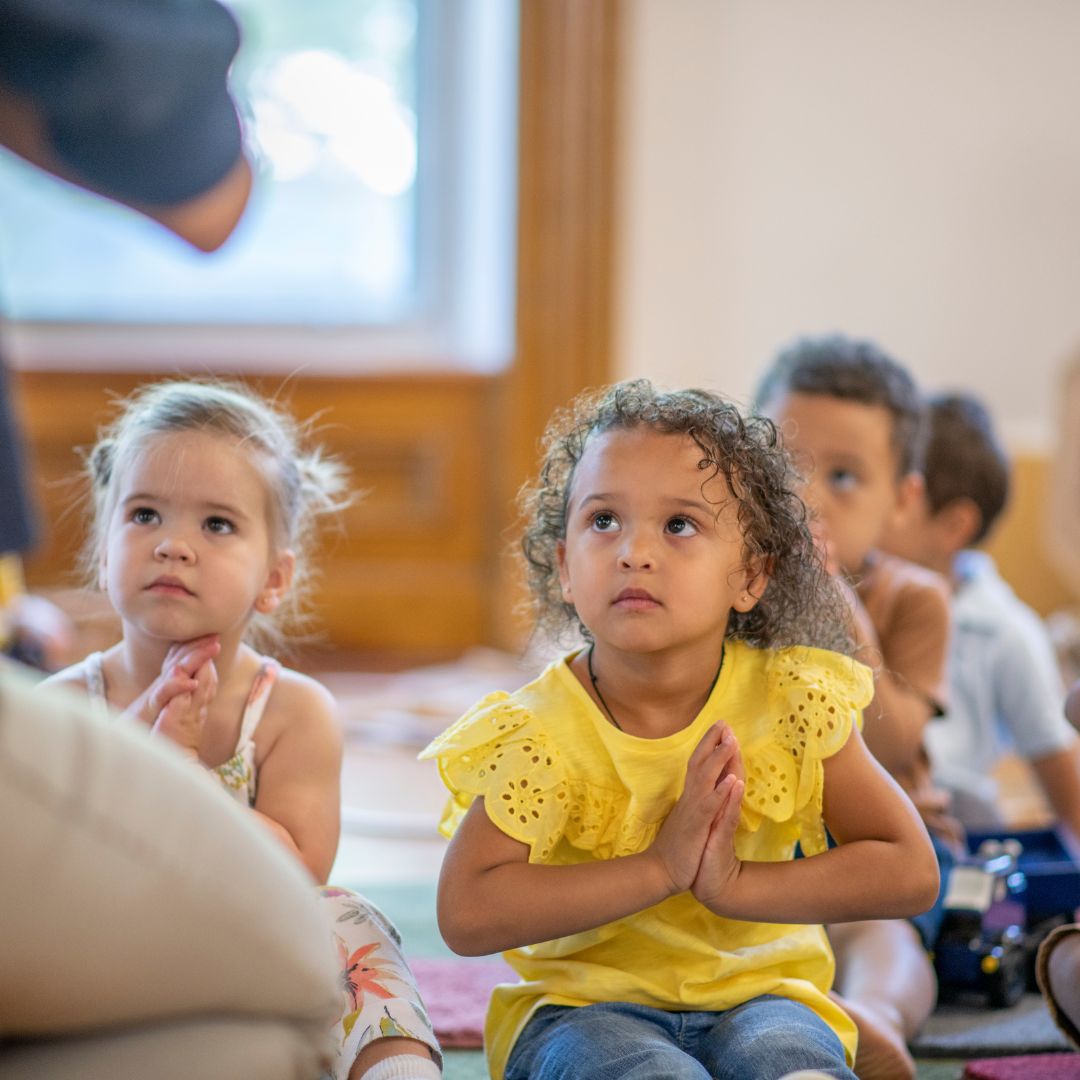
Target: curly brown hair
{"type": "Point", "coordinates": [802, 604]}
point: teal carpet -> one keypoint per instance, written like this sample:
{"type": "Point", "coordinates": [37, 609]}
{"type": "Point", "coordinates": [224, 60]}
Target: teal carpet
{"type": "Point", "coordinates": [412, 908]}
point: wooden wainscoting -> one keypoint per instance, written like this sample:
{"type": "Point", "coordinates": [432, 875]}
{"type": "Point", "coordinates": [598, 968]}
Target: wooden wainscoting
{"type": "Point", "coordinates": [1019, 541]}
{"type": "Point", "coordinates": [411, 569]}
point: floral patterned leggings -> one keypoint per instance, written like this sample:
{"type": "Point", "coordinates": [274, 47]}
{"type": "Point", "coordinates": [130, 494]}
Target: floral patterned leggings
{"type": "Point", "coordinates": [379, 994]}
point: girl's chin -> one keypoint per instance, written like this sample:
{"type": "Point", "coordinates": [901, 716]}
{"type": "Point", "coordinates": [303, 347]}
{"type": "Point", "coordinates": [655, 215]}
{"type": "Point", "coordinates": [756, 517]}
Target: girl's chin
{"type": "Point", "coordinates": [168, 632]}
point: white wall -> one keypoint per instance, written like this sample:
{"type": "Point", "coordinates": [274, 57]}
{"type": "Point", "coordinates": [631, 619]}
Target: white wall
{"type": "Point", "coordinates": [903, 169]}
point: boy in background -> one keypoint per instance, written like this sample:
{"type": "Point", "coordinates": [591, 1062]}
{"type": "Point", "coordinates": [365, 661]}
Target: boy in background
{"type": "Point", "coordinates": [855, 422]}
{"type": "Point", "coordinates": [1005, 690]}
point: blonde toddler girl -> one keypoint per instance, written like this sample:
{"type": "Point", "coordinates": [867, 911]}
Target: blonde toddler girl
{"type": "Point", "coordinates": [204, 505]}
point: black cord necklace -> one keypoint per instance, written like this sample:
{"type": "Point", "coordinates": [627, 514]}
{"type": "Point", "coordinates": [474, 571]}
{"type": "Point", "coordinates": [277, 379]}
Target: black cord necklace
{"type": "Point", "coordinates": [607, 707]}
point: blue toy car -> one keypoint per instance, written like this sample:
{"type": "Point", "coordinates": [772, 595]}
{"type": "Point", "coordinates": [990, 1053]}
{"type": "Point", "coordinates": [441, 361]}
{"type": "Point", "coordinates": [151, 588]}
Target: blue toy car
{"type": "Point", "coordinates": [1000, 903]}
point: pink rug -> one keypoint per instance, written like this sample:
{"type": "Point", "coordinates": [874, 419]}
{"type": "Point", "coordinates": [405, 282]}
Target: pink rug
{"type": "Point", "coordinates": [1027, 1067]}
{"type": "Point", "coordinates": [456, 992]}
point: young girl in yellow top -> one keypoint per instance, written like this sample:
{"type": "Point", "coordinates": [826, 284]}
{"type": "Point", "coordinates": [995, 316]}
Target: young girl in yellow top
{"type": "Point", "coordinates": [625, 826]}
{"type": "Point", "coordinates": [205, 502]}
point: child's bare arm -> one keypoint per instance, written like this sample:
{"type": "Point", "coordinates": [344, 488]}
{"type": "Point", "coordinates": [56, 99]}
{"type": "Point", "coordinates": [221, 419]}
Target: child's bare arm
{"type": "Point", "coordinates": [71, 678]}
{"type": "Point", "coordinates": [883, 867]}
{"type": "Point", "coordinates": [1059, 775]}
{"type": "Point", "coordinates": [1072, 706]}
{"type": "Point", "coordinates": [299, 789]}
{"type": "Point", "coordinates": [896, 718]}
{"type": "Point", "coordinates": [491, 898]}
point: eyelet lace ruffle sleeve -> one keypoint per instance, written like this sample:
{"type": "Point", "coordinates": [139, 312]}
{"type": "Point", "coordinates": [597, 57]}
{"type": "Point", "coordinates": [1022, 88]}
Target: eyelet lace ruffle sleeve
{"type": "Point", "coordinates": [813, 698]}
{"type": "Point", "coordinates": [498, 751]}
{"type": "Point", "coordinates": [495, 753]}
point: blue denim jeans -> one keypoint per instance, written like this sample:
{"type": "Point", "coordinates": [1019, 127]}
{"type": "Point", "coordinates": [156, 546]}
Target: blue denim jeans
{"type": "Point", "coordinates": [762, 1039]}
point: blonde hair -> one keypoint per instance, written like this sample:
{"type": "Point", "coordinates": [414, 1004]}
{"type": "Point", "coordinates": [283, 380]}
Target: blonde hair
{"type": "Point", "coordinates": [304, 486]}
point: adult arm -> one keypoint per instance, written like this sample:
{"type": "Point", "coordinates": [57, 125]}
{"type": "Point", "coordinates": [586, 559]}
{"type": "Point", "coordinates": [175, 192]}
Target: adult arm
{"type": "Point", "coordinates": [129, 101]}
{"type": "Point", "coordinates": [1029, 696]}
{"type": "Point", "coordinates": [1072, 706]}
{"type": "Point", "coordinates": [1059, 775]}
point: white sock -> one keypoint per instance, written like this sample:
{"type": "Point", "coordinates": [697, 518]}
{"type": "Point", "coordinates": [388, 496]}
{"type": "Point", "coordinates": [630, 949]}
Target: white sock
{"type": "Point", "coordinates": [404, 1067]}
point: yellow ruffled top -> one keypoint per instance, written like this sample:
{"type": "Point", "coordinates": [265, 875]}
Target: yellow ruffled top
{"type": "Point", "coordinates": [556, 775]}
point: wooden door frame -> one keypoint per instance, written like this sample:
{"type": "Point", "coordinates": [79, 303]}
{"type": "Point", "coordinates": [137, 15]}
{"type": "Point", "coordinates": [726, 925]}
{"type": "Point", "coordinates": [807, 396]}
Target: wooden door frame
{"type": "Point", "coordinates": [566, 199]}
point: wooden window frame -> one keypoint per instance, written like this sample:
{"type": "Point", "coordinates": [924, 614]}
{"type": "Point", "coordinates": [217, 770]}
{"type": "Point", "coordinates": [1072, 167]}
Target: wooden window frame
{"type": "Point", "coordinates": [423, 573]}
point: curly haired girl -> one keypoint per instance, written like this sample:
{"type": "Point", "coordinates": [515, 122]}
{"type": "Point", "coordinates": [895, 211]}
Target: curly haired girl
{"type": "Point", "coordinates": [625, 826]}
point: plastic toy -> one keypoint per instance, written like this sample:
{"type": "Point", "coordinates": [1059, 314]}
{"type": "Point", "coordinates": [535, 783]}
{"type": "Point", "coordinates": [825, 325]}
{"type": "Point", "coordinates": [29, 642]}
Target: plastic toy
{"type": "Point", "coordinates": [1000, 903]}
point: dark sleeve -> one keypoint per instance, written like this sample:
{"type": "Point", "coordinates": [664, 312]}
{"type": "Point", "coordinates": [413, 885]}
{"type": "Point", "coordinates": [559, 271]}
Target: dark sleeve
{"type": "Point", "coordinates": [133, 93]}
{"type": "Point", "coordinates": [16, 515]}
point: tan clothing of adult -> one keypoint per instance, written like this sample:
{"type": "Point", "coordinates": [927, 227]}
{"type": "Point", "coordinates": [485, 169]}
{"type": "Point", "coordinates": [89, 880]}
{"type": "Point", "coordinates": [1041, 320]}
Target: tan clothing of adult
{"type": "Point", "coordinates": [151, 926]}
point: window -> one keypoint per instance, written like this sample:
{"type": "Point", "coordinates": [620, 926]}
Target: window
{"type": "Point", "coordinates": [381, 228]}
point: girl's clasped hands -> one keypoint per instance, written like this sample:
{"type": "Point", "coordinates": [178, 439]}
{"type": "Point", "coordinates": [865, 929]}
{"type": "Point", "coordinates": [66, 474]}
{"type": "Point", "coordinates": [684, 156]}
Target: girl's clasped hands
{"type": "Point", "coordinates": [177, 702]}
{"type": "Point", "coordinates": [696, 843]}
